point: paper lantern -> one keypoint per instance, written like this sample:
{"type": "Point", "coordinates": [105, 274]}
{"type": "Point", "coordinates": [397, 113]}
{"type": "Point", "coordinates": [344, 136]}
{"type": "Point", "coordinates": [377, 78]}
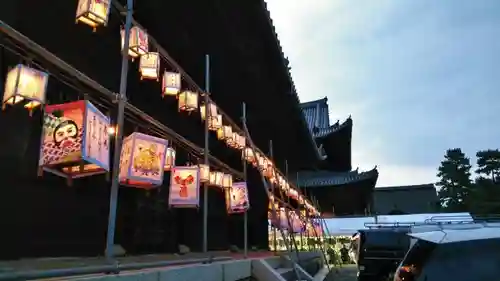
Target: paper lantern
{"type": "Point", "coordinates": [241, 142]}
{"type": "Point", "coordinates": [149, 66]}
{"type": "Point", "coordinates": [237, 198]}
{"type": "Point", "coordinates": [227, 180]}
{"type": "Point", "coordinates": [138, 42]}
{"type": "Point", "coordinates": [169, 159]}
{"type": "Point", "coordinates": [212, 111]}
{"type": "Point", "coordinates": [225, 132]}
{"type": "Point", "coordinates": [184, 187]}
{"type": "Point", "coordinates": [204, 172]}
{"type": "Point", "coordinates": [188, 101]}
{"type": "Point", "coordinates": [142, 161]}
{"type": "Point", "coordinates": [248, 155]}
{"type": "Point", "coordinates": [232, 140]}
{"type": "Point", "coordinates": [269, 169]}
{"type": "Point", "coordinates": [93, 13]}
{"type": "Point", "coordinates": [218, 179]}
{"type": "Point", "coordinates": [171, 83]}
{"type": "Point", "coordinates": [75, 140]}
{"type": "Point", "coordinates": [215, 123]}
{"type": "Point", "coordinates": [27, 85]}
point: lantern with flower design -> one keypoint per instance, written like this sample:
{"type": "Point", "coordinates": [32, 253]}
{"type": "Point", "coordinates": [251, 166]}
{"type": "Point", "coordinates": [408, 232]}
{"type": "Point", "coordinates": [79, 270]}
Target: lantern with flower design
{"type": "Point", "coordinates": [224, 132]}
{"type": "Point", "coordinates": [93, 12]}
{"type": "Point", "coordinates": [27, 85]}
{"type": "Point", "coordinates": [169, 159]}
{"type": "Point", "coordinates": [204, 172]}
{"type": "Point", "coordinates": [188, 101]}
{"type": "Point", "coordinates": [138, 42]}
{"type": "Point", "coordinates": [149, 66]}
{"type": "Point", "coordinates": [171, 83]}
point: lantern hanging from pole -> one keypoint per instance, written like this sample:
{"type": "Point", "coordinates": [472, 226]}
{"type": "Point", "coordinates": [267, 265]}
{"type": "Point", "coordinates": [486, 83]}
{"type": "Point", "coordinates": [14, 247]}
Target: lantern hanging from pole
{"type": "Point", "coordinates": [269, 169]}
{"type": "Point", "coordinates": [237, 198]}
{"type": "Point", "coordinates": [27, 85]}
{"type": "Point", "coordinates": [248, 155]}
{"type": "Point", "coordinates": [169, 159]}
{"type": "Point", "coordinates": [212, 111]}
{"type": "Point", "coordinates": [171, 83]}
{"type": "Point", "coordinates": [241, 143]}
{"type": "Point", "coordinates": [227, 180]}
{"type": "Point", "coordinates": [142, 161]}
{"type": "Point", "coordinates": [75, 141]}
{"type": "Point", "coordinates": [204, 173]}
{"type": "Point", "coordinates": [224, 132]}
{"type": "Point", "coordinates": [262, 163]}
{"type": "Point", "coordinates": [188, 101]}
{"type": "Point", "coordinates": [218, 179]}
{"type": "Point", "coordinates": [184, 187]}
{"type": "Point", "coordinates": [215, 123]}
{"type": "Point", "coordinates": [231, 141]}
{"type": "Point", "coordinates": [149, 66]}
{"type": "Point", "coordinates": [93, 12]}
{"type": "Point", "coordinates": [138, 42]}
{"type": "Point", "coordinates": [212, 180]}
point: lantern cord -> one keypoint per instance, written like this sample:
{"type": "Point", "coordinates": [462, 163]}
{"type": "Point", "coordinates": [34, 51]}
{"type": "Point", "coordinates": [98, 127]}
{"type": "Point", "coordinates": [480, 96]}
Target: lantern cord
{"type": "Point", "coordinates": [32, 49]}
{"type": "Point", "coordinates": [192, 84]}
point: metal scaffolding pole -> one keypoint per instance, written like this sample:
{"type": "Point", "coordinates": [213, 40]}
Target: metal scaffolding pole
{"type": "Point", "coordinates": [122, 97]}
{"type": "Point", "coordinates": [245, 215]}
{"type": "Point", "coordinates": [205, 153]}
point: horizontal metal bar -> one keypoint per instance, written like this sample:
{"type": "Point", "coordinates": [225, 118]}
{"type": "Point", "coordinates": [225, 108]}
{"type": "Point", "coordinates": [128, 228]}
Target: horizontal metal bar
{"type": "Point", "coordinates": [92, 84]}
{"type": "Point", "coordinates": [115, 269]}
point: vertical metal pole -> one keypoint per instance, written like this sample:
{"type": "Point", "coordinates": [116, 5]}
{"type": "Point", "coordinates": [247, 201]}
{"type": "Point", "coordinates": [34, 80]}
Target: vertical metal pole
{"type": "Point", "coordinates": [115, 184]}
{"type": "Point", "coordinates": [205, 154]}
{"type": "Point", "coordinates": [245, 215]}
{"type": "Point", "coordinates": [275, 239]}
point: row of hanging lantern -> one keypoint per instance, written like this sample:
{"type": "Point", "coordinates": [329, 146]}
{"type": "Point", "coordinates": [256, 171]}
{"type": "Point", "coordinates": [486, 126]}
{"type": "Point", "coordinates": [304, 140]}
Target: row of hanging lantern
{"type": "Point", "coordinates": [96, 13]}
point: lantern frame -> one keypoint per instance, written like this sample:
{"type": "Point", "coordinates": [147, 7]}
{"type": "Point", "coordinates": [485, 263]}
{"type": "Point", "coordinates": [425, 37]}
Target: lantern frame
{"type": "Point", "coordinates": [171, 83]}
{"type": "Point", "coordinates": [150, 69]}
{"type": "Point", "coordinates": [204, 172]}
{"type": "Point", "coordinates": [22, 78]}
{"type": "Point", "coordinates": [170, 155]}
{"type": "Point", "coordinates": [87, 13]}
{"type": "Point", "coordinates": [188, 101]}
{"type": "Point", "coordinates": [215, 123]}
{"type": "Point", "coordinates": [138, 42]}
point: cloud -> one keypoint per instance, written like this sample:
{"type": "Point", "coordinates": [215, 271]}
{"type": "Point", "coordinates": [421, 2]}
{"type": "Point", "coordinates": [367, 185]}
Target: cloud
{"type": "Point", "coordinates": [414, 75]}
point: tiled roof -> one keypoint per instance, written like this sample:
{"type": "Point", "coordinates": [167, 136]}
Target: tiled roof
{"type": "Point", "coordinates": [412, 199]}
{"type": "Point", "coordinates": [328, 178]}
{"type": "Point", "coordinates": [317, 117]}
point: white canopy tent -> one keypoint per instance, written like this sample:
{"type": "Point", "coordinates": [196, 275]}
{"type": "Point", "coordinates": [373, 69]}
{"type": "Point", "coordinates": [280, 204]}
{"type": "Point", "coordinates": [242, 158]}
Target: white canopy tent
{"type": "Point", "coordinates": [349, 226]}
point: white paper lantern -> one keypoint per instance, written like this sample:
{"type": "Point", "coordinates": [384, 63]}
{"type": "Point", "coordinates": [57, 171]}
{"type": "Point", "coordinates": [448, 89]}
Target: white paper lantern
{"type": "Point", "coordinates": [212, 111]}
{"type": "Point", "coordinates": [204, 173]}
{"type": "Point", "coordinates": [225, 132]}
{"type": "Point", "coordinates": [169, 159]}
{"type": "Point", "coordinates": [138, 42]}
{"type": "Point", "coordinates": [93, 12]}
{"type": "Point", "coordinates": [215, 123]}
{"type": "Point", "coordinates": [149, 66]}
{"type": "Point", "coordinates": [26, 85]}
{"type": "Point", "coordinates": [227, 180]}
{"type": "Point", "coordinates": [188, 101]}
{"type": "Point", "coordinates": [171, 83]}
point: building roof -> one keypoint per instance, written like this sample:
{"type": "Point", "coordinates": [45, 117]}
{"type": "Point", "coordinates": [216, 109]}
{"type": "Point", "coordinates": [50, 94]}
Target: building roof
{"type": "Point", "coordinates": [411, 199]}
{"type": "Point", "coordinates": [328, 178]}
{"type": "Point", "coordinates": [317, 116]}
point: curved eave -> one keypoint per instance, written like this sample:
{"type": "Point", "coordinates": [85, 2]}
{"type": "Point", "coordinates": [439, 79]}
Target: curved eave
{"type": "Point", "coordinates": [309, 180]}
{"type": "Point", "coordinates": [286, 72]}
{"type": "Point", "coordinates": [333, 130]}
{"type": "Point", "coordinates": [337, 148]}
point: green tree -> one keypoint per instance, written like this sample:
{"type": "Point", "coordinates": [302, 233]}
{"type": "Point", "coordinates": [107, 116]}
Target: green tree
{"type": "Point", "coordinates": [485, 196]}
{"type": "Point", "coordinates": [455, 181]}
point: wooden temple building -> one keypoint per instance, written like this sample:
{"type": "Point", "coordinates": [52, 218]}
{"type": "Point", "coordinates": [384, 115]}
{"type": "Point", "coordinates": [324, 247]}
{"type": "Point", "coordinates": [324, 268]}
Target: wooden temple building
{"type": "Point", "coordinates": [339, 190]}
{"type": "Point", "coordinates": [43, 216]}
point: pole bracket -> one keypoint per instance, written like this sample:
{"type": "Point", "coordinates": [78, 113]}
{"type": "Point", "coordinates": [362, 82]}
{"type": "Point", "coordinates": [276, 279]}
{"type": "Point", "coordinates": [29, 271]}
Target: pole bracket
{"type": "Point", "coordinates": [118, 97]}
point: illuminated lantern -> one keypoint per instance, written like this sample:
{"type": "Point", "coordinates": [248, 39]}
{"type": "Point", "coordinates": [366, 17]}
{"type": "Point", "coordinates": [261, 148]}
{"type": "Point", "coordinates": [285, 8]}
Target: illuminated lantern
{"type": "Point", "coordinates": [138, 43]}
{"type": "Point", "coordinates": [93, 12]}
{"type": "Point", "coordinates": [212, 111]}
{"type": "Point", "coordinates": [149, 66]}
{"type": "Point", "coordinates": [204, 173]}
{"type": "Point", "coordinates": [231, 141]}
{"type": "Point", "coordinates": [225, 132]}
{"type": "Point", "coordinates": [227, 180]}
{"type": "Point", "coordinates": [219, 179]}
{"type": "Point", "coordinates": [248, 155]}
{"type": "Point", "coordinates": [171, 83]}
{"type": "Point", "coordinates": [237, 198]}
{"type": "Point", "coordinates": [212, 179]}
{"type": "Point", "coordinates": [262, 163]}
{"type": "Point", "coordinates": [75, 140]}
{"type": "Point", "coordinates": [188, 101]}
{"type": "Point", "coordinates": [184, 187]}
{"type": "Point", "coordinates": [27, 85]}
{"type": "Point", "coordinates": [269, 169]}
{"type": "Point", "coordinates": [169, 159]}
{"type": "Point", "coordinates": [241, 143]}
{"type": "Point", "coordinates": [215, 123]}
{"type": "Point", "coordinates": [142, 161]}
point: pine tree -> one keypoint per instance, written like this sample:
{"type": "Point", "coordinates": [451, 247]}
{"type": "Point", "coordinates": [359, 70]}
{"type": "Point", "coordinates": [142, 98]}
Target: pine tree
{"type": "Point", "coordinates": [485, 196]}
{"type": "Point", "coordinates": [455, 181]}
